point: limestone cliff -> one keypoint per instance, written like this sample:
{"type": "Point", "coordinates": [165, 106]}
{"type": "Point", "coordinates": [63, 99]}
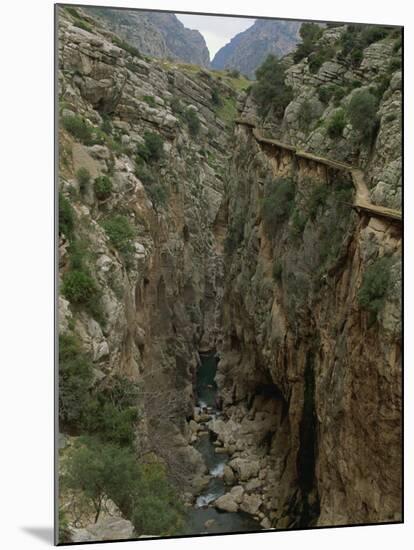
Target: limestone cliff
{"type": "Point", "coordinates": [182, 232]}
{"type": "Point", "coordinates": [153, 299]}
{"type": "Point", "coordinates": [310, 372]}
{"type": "Point", "coordinates": [156, 34]}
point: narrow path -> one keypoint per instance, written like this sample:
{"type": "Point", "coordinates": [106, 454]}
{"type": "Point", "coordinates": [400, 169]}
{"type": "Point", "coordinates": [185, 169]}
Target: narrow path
{"type": "Point", "coordinates": [362, 198]}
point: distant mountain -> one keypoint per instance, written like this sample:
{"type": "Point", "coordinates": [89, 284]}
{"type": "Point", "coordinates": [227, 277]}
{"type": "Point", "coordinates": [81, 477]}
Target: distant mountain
{"type": "Point", "coordinates": [155, 34]}
{"type": "Point", "coordinates": [248, 49]}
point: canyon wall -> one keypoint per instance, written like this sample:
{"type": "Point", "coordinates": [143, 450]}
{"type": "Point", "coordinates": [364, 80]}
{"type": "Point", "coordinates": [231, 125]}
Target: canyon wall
{"type": "Point", "coordinates": [210, 239]}
{"type": "Point", "coordinates": [311, 382]}
{"type": "Point", "coordinates": [156, 296]}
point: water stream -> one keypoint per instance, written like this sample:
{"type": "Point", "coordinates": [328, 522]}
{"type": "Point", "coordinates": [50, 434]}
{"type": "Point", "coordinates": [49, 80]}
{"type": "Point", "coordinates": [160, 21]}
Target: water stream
{"type": "Point", "coordinates": [204, 511]}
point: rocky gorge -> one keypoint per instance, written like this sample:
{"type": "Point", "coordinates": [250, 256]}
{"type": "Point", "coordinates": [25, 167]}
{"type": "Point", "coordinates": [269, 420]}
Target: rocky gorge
{"type": "Point", "coordinates": [265, 352]}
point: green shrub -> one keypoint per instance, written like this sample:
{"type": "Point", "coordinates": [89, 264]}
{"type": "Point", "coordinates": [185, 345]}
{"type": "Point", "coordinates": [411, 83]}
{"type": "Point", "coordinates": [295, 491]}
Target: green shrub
{"type": "Point", "coordinates": [112, 420]}
{"type": "Point", "coordinates": [141, 491]}
{"type": "Point", "coordinates": [106, 125]}
{"type": "Point", "coordinates": [336, 124]}
{"type": "Point", "coordinates": [72, 12]}
{"type": "Point", "coordinates": [152, 150]}
{"type": "Point", "coordinates": [277, 205]}
{"type": "Point", "coordinates": [375, 284]}
{"type": "Point", "coordinates": [305, 114]}
{"type": "Point", "coordinates": [84, 177]}
{"type": "Point", "coordinates": [234, 73]}
{"type": "Point", "coordinates": [78, 253]}
{"type": "Point", "coordinates": [66, 217]}
{"type": "Point", "coordinates": [310, 34]}
{"type": "Point", "coordinates": [270, 91]}
{"type": "Point", "coordinates": [317, 199]}
{"type": "Point", "coordinates": [144, 173]}
{"type": "Point", "coordinates": [102, 187]}
{"type": "Point", "coordinates": [83, 25]}
{"type": "Point", "coordinates": [126, 46]}
{"type": "Point", "coordinates": [324, 93]}
{"type": "Point", "coordinates": [319, 56]}
{"type": "Point", "coordinates": [120, 233]}
{"type": "Point", "coordinates": [176, 105]}
{"type": "Point", "coordinates": [358, 37]}
{"type": "Point", "coordinates": [75, 379]}
{"type": "Point", "coordinates": [79, 287]}
{"type": "Point", "coordinates": [193, 122]}
{"type": "Point", "coordinates": [362, 113]}
{"type": "Point", "coordinates": [373, 33]}
{"type": "Point", "coordinates": [338, 93]}
{"type": "Point", "coordinates": [78, 127]}
{"type": "Point", "coordinates": [331, 91]}
{"type": "Point", "coordinates": [395, 64]}
{"type": "Point", "coordinates": [157, 193]}
{"type": "Point", "coordinates": [150, 100]}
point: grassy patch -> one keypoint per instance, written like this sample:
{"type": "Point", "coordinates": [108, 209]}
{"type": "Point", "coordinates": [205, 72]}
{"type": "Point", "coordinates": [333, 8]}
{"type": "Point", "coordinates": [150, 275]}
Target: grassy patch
{"type": "Point", "coordinates": [227, 111]}
{"type": "Point", "coordinates": [121, 234]}
{"type": "Point", "coordinates": [126, 46]}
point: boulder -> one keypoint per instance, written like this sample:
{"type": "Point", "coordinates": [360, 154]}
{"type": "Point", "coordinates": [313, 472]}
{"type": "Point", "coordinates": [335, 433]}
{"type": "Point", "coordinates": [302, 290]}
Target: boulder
{"type": "Point", "coordinates": [108, 528]}
{"type": "Point", "coordinates": [228, 475]}
{"type": "Point", "coordinates": [245, 468]}
{"type": "Point", "coordinates": [251, 504]}
{"type": "Point", "coordinates": [226, 503]}
{"type": "Point", "coordinates": [237, 493]}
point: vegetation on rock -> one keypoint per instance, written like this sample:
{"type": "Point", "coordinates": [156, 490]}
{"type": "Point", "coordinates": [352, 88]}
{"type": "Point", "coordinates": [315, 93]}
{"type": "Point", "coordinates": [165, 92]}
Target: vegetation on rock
{"type": "Point", "coordinates": [102, 187]}
{"type": "Point", "coordinates": [375, 285]}
{"type": "Point", "coordinates": [121, 233]}
{"type": "Point", "coordinates": [277, 205]}
{"type": "Point", "coordinates": [271, 91]}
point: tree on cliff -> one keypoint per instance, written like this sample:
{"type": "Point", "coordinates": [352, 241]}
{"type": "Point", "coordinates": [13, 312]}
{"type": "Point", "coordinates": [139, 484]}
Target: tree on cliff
{"type": "Point", "coordinates": [270, 91]}
{"type": "Point", "coordinates": [140, 490]}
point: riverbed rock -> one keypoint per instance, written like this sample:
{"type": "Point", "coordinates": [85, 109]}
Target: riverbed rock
{"type": "Point", "coordinates": [237, 493]}
{"type": "Point", "coordinates": [228, 475]}
{"type": "Point", "coordinates": [194, 426]}
{"type": "Point", "coordinates": [245, 468]}
{"type": "Point", "coordinates": [251, 504]}
{"type": "Point", "coordinates": [226, 503]}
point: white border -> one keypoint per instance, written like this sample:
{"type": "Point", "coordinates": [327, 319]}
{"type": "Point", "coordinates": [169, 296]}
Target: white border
{"type": "Point", "coordinates": [26, 298]}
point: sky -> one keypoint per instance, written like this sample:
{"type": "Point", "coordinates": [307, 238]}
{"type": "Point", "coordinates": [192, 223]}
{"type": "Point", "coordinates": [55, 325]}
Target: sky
{"type": "Point", "coordinates": [217, 31]}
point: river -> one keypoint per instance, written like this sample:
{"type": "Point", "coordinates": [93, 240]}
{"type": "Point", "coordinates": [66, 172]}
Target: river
{"type": "Point", "coordinates": [204, 511]}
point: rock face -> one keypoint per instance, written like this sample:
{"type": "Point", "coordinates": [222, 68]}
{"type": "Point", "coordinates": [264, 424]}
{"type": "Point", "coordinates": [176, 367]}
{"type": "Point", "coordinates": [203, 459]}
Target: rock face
{"type": "Point", "coordinates": [159, 35]}
{"type": "Point", "coordinates": [320, 95]}
{"type": "Point", "coordinates": [248, 49]}
{"type": "Point", "coordinates": [159, 297]}
{"type": "Point", "coordinates": [307, 374]}
{"type": "Point", "coordinates": [310, 374]}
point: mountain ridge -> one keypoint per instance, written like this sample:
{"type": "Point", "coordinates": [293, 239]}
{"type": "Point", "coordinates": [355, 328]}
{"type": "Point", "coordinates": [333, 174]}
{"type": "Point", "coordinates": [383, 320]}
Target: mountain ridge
{"type": "Point", "coordinates": [247, 50]}
{"type": "Point", "coordinates": [157, 34]}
